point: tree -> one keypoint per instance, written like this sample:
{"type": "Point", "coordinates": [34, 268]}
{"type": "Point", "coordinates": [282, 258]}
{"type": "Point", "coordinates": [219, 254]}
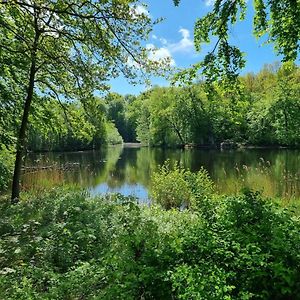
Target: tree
{"type": "Point", "coordinates": [278, 20]}
{"type": "Point", "coordinates": [274, 115]}
{"type": "Point", "coordinates": [118, 111]}
{"type": "Point", "coordinates": [68, 49]}
{"type": "Point", "coordinates": [75, 128]}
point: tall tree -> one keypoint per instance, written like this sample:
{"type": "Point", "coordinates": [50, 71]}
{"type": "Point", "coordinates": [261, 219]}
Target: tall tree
{"type": "Point", "coordinates": [68, 49]}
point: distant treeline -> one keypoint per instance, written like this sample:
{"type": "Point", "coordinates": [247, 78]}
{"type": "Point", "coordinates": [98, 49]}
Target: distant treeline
{"type": "Point", "coordinates": [57, 126]}
{"type": "Point", "coordinates": [261, 109]}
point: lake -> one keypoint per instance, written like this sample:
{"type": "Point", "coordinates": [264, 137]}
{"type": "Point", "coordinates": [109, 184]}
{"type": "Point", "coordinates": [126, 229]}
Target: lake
{"type": "Point", "coordinates": [127, 170]}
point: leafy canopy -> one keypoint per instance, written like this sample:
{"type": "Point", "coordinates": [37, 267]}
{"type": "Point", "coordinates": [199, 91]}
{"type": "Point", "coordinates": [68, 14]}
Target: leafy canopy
{"type": "Point", "coordinates": [277, 20]}
{"type": "Point", "coordinates": [77, 45]}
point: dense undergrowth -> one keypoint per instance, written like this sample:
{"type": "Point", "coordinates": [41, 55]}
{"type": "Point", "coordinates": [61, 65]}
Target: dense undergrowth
{"type": "Point", "coordinates": [67, 245]}
{"type": "Point", "coordinates": [6, 167]}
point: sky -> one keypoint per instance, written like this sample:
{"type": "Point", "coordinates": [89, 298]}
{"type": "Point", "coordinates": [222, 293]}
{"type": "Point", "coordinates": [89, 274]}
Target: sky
{"type": "Point", "coordinates": [173, 38]}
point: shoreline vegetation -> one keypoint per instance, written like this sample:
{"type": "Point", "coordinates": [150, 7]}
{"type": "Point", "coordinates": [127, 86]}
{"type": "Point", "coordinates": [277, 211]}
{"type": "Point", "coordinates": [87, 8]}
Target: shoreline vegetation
{"type": "Point", "coordinates": [189, 243]}
{"type": "Point", "coordinates": [228, 146]}
{"type": "Point", "coordinates": [128, 170]}
{"type": "Point", "coordinates": [65, 244]}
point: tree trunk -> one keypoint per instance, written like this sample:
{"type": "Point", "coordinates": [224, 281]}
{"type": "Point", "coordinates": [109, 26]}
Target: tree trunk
{"type": "Point", "coordinates": [179, 135]}
{"type": "Point", "coordinates": [22, 132]}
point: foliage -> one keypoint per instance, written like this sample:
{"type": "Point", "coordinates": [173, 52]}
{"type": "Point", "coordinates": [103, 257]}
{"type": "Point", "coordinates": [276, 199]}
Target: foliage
{"type": "Point", "coordinates": [66, 245]}
{"type": "Point", "coordinates": [10, 109]}
{"type": "Point", "coordinates": [113, 136]}
{"type": "Point", "coordinates": [275, 20]}
{"type": "Point", "coordinates": [172, 116]}
{"type": "Point", "coordinates": [237, 257]}
{"type": "Point", "coordinates": [76, 46]}
{"type": "Point", "coordinates": [118, 111]}
{"type": "Point", "coordinates": [6, 166]}
{"type": "Point", "coordinates": [275, 111]}
{"type": "Point", "coordinates": [71, 247]}
{"type": "Point", "coordinates": [261, 109]}
{"type": "Point", "coordinates": [175, 187]}
{"type": "Point", "coordinates": [169, 187]}
{"type": "Point", "coordinates": [74, 128]}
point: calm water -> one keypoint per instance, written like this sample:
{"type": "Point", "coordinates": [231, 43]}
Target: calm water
{"type": "Point", "coordinates": [128, 170]}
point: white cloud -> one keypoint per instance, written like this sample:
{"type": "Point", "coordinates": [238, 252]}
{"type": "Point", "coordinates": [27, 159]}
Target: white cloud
{"type": "Point", "coordinates": [160, 54]}
{"type": "Point", "coordinates": [185, 44]}
{"type": "Point", "coordinates": [185, 33]}
{"type": "Point", "coordinates": [209, 2]}
{"type": "Point", "coordinates": [162, 40]}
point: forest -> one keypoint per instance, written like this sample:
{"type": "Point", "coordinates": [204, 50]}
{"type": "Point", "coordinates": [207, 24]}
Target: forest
{"type": "Point", "coordinates": [260, 110]}
{"type": "Point", "coordinates": [60, 117]}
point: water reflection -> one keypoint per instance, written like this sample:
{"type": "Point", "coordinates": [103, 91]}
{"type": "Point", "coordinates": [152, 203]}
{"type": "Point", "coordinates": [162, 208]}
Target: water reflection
{"type": "Point", "coordinates": [128, 170]}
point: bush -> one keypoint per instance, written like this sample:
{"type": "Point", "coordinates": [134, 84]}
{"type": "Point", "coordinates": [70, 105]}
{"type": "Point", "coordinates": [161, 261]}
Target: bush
{"type": "Point", "coordinates": [174, 186]}
{"type": "Point", "coordinates": [6, 167]}
{"type": "Point", "coordinates": [169, 187]}
{"type": "Point", "coordinates": [66, 245]}
{"type": "Point", "coordinates": [249, 249]}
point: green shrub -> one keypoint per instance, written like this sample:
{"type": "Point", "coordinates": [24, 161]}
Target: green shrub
{"type": "Point", "coordinates": [6, 167]}
{"type": "Point", "coordinates": [169, 187]}
{"type": "Point", "coordinates": [202, 281]}
{"type": "Point", "coordinates": [201, 187]}
{"type": "Point", "coordinates": [174, 186]}
{"type": "Point", "coordinates": [252, 247]}
{"type": "Point", "coordinates": [66, 245]}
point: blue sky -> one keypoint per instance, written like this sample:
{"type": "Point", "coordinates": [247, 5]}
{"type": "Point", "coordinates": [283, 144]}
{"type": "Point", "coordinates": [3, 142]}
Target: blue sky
{"type": "Point", "coordinates": [174, 38]}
